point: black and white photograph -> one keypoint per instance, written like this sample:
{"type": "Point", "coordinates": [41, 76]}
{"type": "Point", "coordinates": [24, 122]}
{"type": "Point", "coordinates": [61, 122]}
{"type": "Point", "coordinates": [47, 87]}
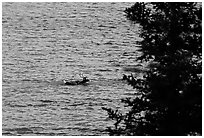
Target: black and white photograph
{"type": "Point", "coordinates": [101, 68]}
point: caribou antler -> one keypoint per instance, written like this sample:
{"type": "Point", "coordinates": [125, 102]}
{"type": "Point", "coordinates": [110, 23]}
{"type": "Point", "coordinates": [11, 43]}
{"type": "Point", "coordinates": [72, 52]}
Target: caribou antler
{"type": "Point", "coordinates": [82, 75]}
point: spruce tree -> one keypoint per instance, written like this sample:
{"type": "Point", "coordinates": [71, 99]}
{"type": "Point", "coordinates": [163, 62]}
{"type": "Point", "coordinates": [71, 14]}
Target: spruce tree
{"type": "Point", "coordinates": [170, 101]}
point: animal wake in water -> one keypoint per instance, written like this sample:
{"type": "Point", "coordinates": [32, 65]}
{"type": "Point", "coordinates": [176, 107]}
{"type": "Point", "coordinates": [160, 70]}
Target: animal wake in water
{"type": "Point", "coordinates": [77, 82]}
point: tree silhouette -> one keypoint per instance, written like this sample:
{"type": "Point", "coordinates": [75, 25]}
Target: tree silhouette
{"type": "Point", "coordinates": [170, 101]}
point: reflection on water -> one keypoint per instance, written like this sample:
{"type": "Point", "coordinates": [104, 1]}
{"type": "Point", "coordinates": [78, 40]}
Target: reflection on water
{"type": "Point", "coordinates": [44, 43]}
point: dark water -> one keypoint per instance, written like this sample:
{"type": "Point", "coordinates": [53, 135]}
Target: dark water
{"type": "Point", "coordinates": [44, 43]}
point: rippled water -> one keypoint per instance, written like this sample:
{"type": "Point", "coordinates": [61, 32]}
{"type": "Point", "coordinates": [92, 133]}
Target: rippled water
{"type": "Point", "coordinates": [45, 43]}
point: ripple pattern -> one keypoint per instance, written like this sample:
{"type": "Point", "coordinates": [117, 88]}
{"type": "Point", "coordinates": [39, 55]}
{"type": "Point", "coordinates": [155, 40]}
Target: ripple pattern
{"type": "Point", "coordinates": [44, 43]}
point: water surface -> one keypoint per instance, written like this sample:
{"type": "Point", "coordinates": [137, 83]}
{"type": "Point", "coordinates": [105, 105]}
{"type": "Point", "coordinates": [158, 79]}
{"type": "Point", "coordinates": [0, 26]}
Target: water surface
{"type": "Point", "coordinates": [44, 43]}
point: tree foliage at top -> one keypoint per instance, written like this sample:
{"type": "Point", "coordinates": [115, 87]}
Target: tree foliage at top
{"type": "Point", "coordinates": [170, 101]}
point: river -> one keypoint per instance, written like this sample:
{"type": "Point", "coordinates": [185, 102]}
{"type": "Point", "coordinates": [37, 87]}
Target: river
{"type": "Point", "coordinates": [45, 43]}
